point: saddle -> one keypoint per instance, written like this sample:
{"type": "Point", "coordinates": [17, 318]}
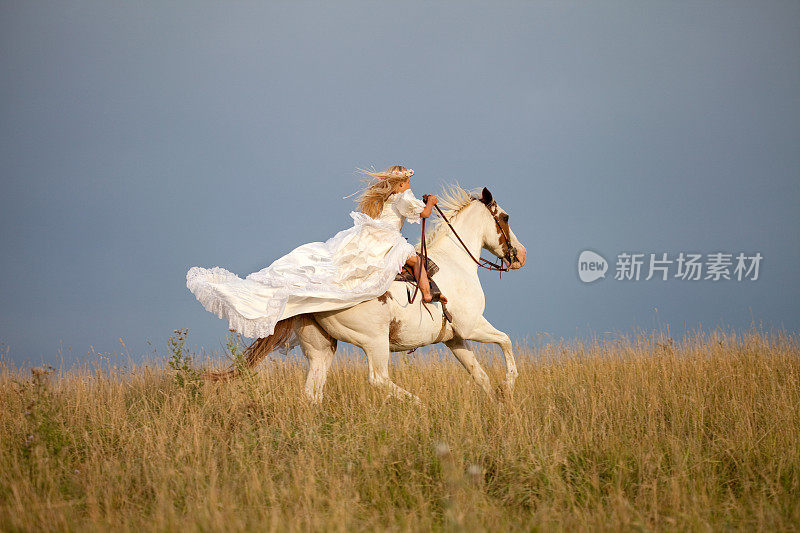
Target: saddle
{"type": "Point", "coordinates": [406, 274]}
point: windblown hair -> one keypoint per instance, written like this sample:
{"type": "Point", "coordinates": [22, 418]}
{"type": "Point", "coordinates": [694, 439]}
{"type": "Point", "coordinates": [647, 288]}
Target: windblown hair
{"type": "Point", "coordinates": [378, 187]}
{"type": "Point", "coordinates": [452, 201]}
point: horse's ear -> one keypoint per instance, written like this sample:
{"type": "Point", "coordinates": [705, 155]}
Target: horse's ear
{"type": "Point", "coordinates": [487, 196]}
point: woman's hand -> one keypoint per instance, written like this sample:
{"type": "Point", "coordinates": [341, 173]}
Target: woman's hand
{"type": "Point", "coordinates": [430, 201]}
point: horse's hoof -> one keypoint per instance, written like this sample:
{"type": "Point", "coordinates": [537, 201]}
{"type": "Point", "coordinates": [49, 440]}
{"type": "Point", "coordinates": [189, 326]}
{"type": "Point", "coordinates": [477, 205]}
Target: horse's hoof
{"type": "Point", "coordinates": [503, 392]}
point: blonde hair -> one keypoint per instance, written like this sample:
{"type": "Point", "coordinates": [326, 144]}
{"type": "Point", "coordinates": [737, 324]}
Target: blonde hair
{"type": "Point", "coordinates": [379, 186]}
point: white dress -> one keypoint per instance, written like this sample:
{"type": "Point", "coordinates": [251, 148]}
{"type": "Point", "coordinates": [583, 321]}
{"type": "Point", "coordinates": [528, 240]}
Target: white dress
{"type": "Point", "coordinates": [355, 265]}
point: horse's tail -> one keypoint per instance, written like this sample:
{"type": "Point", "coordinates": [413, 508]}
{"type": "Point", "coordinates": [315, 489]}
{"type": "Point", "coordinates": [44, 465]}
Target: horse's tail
{"type": "Point", "coordinates": [258, 350]}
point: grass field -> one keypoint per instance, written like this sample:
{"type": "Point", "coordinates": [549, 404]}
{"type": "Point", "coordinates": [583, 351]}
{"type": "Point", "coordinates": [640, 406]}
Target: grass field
{"type": "Point", "coordinates": [639, 433]}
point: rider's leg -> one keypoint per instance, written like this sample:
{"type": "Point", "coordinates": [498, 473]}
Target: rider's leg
{"type": "Point", "coordinates": [421, 275]}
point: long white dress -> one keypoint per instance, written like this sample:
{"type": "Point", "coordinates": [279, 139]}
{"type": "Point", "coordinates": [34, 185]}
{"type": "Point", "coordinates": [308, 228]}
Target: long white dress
{"type": "Point", "coordinates": [355, 265]}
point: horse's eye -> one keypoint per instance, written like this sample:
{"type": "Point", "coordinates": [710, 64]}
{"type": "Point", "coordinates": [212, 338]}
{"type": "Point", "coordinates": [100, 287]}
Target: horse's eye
{"type": "Point", "coordinates": [504, 217]}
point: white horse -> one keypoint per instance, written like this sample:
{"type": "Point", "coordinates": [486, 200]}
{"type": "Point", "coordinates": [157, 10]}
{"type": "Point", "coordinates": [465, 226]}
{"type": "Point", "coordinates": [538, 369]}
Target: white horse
{"type": "Point", "coordinates": [390, 323]}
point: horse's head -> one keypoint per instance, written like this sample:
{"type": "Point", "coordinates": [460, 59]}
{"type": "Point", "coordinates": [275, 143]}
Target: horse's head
{"type": "Point", "coordinates": [497, 235]}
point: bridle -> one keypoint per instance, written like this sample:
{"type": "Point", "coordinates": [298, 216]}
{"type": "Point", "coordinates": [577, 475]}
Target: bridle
{"type": "Point", "coordinates": [483, 263]}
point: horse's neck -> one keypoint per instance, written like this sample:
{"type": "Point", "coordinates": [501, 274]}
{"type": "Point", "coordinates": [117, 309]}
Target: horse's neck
{"type": "Point", "coordinates": [447, 247]}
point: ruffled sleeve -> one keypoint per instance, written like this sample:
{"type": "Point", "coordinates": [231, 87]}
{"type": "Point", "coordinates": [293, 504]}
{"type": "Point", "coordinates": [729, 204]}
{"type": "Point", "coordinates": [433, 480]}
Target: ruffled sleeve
{"type": "Point", "coordinates": [409, 206]}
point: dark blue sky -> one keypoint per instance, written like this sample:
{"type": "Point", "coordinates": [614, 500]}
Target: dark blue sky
{"type": "Point", "coordinates": [141, 138]}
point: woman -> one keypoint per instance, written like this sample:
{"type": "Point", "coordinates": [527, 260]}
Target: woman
{"type": "Point", "coordinates": [355, 265]}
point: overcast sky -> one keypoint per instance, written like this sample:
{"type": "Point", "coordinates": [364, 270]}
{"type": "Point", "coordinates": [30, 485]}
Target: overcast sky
{"type": "Point", "coordinates": [138, 139]}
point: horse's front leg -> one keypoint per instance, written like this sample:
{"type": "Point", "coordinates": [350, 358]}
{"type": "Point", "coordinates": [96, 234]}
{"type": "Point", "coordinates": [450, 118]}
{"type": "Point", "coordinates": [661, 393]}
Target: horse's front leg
{"type": "Point", "coordinates": [377, 352]}
{"type": "Point", "coordinates": [467, 358]}
{"type": "Point", "coordinates": [485, 332]}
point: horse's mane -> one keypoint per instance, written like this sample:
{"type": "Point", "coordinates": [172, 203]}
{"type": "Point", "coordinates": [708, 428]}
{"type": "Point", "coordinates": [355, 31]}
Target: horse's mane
{"type": "Point", "coordinates": [452, 201]}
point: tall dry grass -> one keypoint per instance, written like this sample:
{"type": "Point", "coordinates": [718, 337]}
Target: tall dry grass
{"type": "Point", "coordinates": [640, 433]}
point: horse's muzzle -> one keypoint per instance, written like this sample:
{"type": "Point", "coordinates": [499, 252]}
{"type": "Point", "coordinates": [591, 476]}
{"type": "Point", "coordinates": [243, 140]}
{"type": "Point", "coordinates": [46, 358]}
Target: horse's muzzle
{"type": "Point", "coordinates": [516, 257]}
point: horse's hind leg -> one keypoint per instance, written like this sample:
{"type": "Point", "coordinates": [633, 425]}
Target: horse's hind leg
{"type": "Point", "coordinates": [467, 358]}
{"type": "Point", "coordinates": [318, 347]}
